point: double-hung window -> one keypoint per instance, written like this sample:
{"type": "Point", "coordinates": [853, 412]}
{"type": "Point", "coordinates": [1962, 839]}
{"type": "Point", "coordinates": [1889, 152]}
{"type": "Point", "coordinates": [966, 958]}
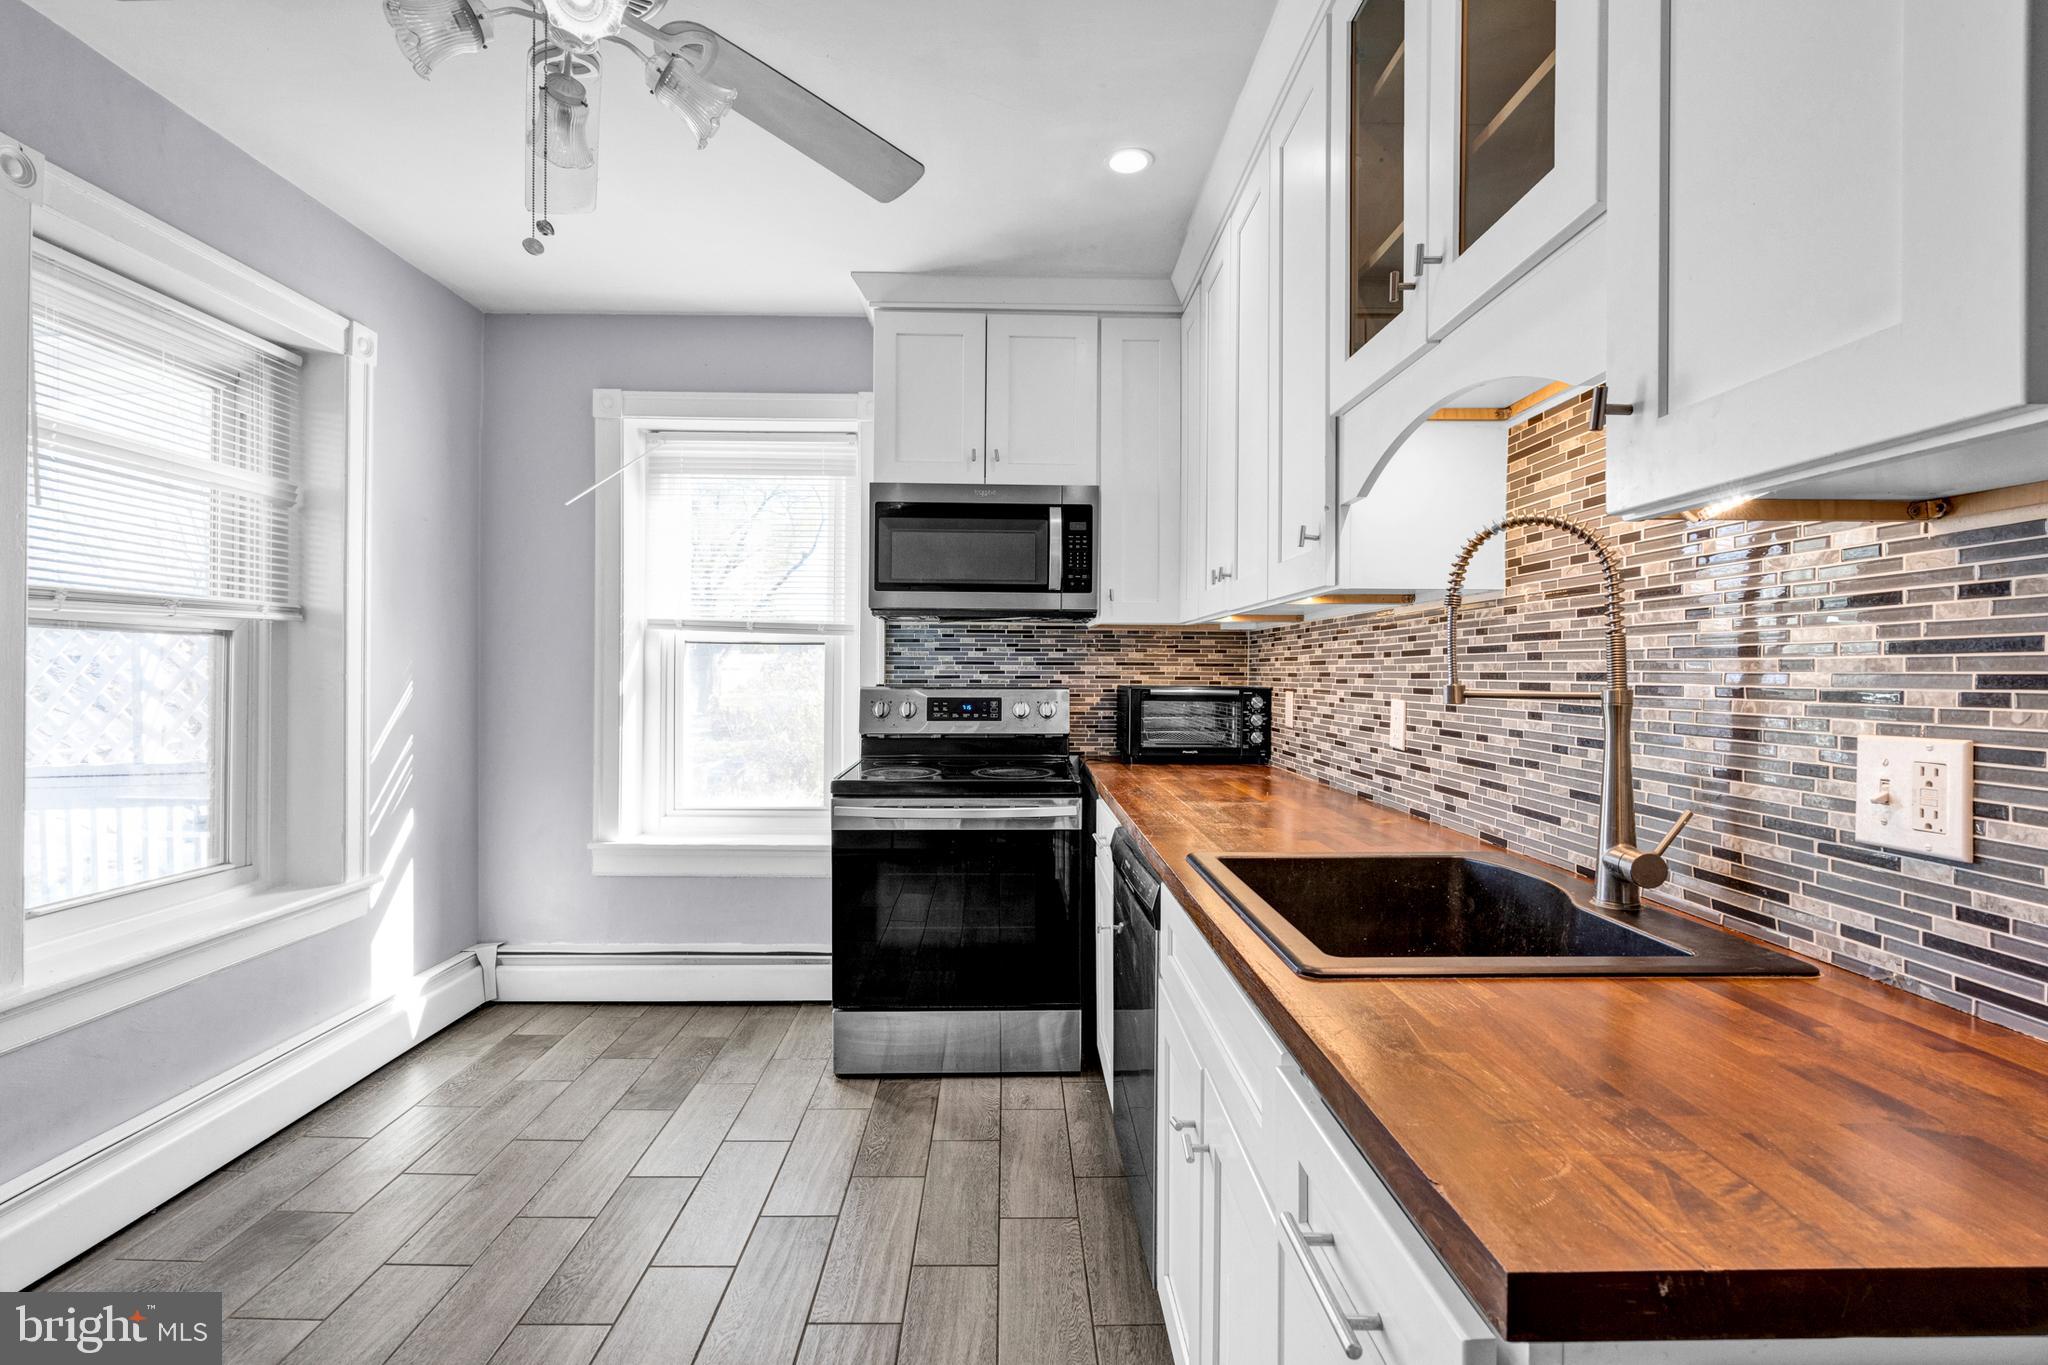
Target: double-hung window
{"type": "Point", "coordinates": [161, 518]}
{"type": "Point", "coordinates": [739, 645]}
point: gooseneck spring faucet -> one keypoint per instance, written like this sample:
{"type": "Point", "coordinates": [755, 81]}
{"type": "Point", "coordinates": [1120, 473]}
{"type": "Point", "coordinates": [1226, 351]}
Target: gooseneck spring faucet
{"type": "Point", "coordinates": [1623, 870]}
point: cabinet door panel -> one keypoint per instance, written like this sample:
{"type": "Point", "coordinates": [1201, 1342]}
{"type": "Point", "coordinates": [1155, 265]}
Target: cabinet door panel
{"type": "Point", "coordinates": [1379, 65]}
{"type": "Point", "coordinates": [1219, 429]}
{"type": "Point", "coordinates": [1105, 956]}
{"type": "Point", "coordinates": [929, 399]}
{"type": "Point", "coordinates": [1194, 399]}
{"type": "Point", "coordinates": [1042, 374]}
{"type": "Point", "coordinates": [1184, 1205]}
{"type": "Point", "coordinates": [1497, 65]}
{"type": "Point", "coordinates": [1302, 531]}
{"type": "Point", "coordinates": [1883, 147]}
{"type": "Point", "coordinates": [1242, 1307]}
{"type": "Point", "coordinates": [1141, 464]}
{"type": "Point", "coordinates": [1252, 242]}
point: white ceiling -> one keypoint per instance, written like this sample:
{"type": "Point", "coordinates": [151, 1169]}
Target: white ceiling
{"type": "Point", "coordinates": [1011, 107]}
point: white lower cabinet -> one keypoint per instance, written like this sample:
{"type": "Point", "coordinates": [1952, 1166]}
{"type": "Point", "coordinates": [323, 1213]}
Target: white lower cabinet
{"type": "Point", "coordinates": [1185, 1207]}
{"type": "Point", "coordinates": [1105, 947]}
{"type": "Point", "coordinates": [1280, 1245]}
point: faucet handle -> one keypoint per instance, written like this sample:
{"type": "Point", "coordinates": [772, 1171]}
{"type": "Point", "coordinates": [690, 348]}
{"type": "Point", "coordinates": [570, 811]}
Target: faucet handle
{"type": "Point", "coordinates": [1644, 869]}
{"type": "Point", "coordinates": [1671, 835]}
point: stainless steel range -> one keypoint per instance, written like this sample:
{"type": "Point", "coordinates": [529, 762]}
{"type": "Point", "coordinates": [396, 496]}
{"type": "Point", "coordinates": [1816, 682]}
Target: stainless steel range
{"type": "Point", "coordinates": [958, 916]}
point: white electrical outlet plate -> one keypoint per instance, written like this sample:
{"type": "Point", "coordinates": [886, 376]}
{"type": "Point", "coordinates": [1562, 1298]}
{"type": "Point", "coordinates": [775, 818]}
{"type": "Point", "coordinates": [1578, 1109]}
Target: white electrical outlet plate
{"type": "Point", "coordinates": [1288, 705]}
{"type": "Point", "coordinates": [1397, 723]}
{"type": "Point", "coordinates": [1914, 795]}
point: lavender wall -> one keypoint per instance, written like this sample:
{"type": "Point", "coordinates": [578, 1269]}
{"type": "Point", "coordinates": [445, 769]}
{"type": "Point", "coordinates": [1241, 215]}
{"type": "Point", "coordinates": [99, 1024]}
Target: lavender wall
{"type": "Point", "coordinates": [91, 119]}
{"type": "Point", "coordinates": [538, 565]}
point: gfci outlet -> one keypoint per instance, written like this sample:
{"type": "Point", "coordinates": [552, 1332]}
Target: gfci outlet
{"type": "Point", "coordinates": [1397, 723]}
{"type": "Point", "coordinates": [1287, 709]}
{"type": "Point", "coordinates": [1914, 795]}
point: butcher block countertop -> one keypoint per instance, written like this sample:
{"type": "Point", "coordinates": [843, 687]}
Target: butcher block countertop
{"type": "Point", "coordinates": [1648, 1158]}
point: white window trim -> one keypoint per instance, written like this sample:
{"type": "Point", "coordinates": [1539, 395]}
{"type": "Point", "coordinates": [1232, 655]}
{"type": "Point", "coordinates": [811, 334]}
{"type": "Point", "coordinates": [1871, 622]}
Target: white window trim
{"type": "Point", "coordinates": [60, 970]}
{"type": "Point", "coordinates": [618, 848]}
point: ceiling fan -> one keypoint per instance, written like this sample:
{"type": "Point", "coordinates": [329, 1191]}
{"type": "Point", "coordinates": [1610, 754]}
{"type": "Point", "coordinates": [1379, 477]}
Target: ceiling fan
{"type": "Point", "coordinates": [689, 68]}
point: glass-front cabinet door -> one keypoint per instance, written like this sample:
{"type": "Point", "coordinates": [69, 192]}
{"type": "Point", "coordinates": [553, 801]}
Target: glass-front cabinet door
{"type": "Point", "coordinates": [1379, 74]}
{"type": "Point", "coordinates": [1514, 143]}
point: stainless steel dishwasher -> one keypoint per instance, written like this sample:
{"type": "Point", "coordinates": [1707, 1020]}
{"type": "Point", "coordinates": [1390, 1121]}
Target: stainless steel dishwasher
{"type": "Point", "coordinates": [1134, 996]}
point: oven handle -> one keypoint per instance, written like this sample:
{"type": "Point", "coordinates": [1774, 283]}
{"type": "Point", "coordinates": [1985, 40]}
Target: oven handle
{"type": "Point", "coordinates": [1058, 543]}
{"type": "Point", "coordinates": [1060, 815]}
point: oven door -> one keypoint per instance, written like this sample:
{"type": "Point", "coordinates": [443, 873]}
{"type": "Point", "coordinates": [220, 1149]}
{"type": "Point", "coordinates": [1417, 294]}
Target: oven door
{"type": "Point", "coordinates": [1183, 724]}
{"type": "Point", "coordinates": [957, 935]}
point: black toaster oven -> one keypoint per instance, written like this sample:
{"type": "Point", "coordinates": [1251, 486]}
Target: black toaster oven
{"type": "Point", "coordinates": [1194, 724]}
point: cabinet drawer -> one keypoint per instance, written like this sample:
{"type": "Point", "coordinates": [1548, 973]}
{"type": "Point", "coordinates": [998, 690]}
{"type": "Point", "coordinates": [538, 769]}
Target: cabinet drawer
{"type": "Point", "coordinates": [1376, 1262]}
{"type": "Point", "coordinates": [1223, 1019]}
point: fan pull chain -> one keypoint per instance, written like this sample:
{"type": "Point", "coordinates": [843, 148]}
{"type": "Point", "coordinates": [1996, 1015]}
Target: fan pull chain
{"type": "Point", "coordinates": [541, 227]}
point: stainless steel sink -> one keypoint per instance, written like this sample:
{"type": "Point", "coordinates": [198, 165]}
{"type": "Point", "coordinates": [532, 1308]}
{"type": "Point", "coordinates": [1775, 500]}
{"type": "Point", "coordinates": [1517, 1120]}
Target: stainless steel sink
{"type": "Point", "coordinates": [1464, 915]}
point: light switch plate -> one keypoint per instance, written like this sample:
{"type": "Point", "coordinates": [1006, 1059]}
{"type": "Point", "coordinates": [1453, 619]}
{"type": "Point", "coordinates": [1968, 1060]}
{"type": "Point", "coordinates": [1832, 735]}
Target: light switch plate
{"type": "Point", "coordinates": [1397, 722]}
{"type": "Point", "coordinates": [1914, 795]}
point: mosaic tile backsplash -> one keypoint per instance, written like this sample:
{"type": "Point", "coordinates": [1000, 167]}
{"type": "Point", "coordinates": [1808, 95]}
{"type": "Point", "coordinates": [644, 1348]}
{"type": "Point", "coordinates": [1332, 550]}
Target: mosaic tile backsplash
{"type": "Point", "coordinates": [1090, 663]}
{"type": "Point", "coordinates": [1761, 652]}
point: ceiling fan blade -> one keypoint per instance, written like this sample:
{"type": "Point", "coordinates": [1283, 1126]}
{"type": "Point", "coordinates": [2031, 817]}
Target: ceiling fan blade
{"type": "Point", "coordinates": [777, 104]}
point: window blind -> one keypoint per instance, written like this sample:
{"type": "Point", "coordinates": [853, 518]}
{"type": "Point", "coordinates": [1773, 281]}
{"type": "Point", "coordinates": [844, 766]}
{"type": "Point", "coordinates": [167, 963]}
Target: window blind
{"type": "Point", "coordinates": [162, 463]}
{"type": "Point", "coordinates": [749, 530]}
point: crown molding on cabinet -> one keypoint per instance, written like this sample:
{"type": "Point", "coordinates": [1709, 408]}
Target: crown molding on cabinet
{"type": "Point", "coordinates": [1018, 294]}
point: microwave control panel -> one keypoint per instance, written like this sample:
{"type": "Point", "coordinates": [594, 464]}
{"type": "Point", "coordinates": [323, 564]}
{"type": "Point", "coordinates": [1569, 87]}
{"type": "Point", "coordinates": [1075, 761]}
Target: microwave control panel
{"type": "Point", "coordinates": [1078, 573]}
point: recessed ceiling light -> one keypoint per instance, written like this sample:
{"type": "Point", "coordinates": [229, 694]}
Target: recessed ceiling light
{"type": "Point", "coordinates": [1130, 160]}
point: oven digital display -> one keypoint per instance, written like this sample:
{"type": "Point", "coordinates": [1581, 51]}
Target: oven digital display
{"type": "Point", "coordinates": [963, 708]}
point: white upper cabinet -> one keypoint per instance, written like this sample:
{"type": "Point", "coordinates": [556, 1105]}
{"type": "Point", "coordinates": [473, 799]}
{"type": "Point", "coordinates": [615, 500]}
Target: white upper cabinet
{"type": "Point", "coordinates": [964, 397]}
{"type": "Point", "coordinates": [1213, 514]}
{"type": "Point", "coordinates": [930, 376]}
{"type": "Point", "coordinates": [1301, 538]}
{"type": "Point", "coordinates": [1139, 548]}
{"type": "Point", "coordinates": [1379, 66]}
{"type": "Point", "coordinates": [1041, 398]}
{"type": "Point", "coordinates": [1251, 237]}
{"type": "Point", "coordinates": [1516, 95]}
{"type": "Point", "coordinates": [1765, 327]}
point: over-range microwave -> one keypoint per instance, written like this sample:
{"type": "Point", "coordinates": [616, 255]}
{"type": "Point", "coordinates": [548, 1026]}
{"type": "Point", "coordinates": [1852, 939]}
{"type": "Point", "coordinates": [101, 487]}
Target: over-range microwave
{"type": "Point", "coordinates": [981, 552]}
{"type": "Point", "coordinates": [1194, 724]}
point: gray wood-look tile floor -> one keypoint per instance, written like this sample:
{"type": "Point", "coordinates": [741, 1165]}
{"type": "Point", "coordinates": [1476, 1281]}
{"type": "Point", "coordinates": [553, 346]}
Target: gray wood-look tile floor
{"type": "Point", "coordinates": [568, 1184]}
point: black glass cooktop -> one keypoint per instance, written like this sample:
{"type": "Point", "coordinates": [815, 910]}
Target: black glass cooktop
{"type": "Point", "coordinates": [961, 775]}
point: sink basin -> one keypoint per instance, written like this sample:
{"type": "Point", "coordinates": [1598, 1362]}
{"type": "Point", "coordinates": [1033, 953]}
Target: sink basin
{"type": "Point", "coordinates": [1464, 915]}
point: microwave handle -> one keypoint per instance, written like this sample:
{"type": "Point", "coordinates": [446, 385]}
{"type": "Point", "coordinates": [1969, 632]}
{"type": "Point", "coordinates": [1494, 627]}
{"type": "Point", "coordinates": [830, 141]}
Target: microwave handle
{"type": "Point", "coordinates": [1057, 543]}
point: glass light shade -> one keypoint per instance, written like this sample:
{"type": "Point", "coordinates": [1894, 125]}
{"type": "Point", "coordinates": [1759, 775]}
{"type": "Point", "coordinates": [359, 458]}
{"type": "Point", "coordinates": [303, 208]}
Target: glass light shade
{"type": "Point", "coordinates": [587, 22]}
{"type": "Point", "coordinates": [431, 31]}
{"type": "Point", "coordinates": [568, 93]}
{"type": "Point", "coordinates": [701, 103]}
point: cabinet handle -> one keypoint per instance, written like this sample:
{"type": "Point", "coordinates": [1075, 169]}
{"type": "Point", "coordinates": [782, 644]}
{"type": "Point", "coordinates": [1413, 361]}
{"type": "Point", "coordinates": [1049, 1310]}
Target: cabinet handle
{"type": "Point", "coordinates": [1395, 286]}
{"type": "Point", "coordinates": [996, 454]}
{"type": "Point", "coordinates": [1116, 928]}
{"type": "Point", "coordinates": [973, 454]}
{"type": "Point", "coordinates": [1112, 594]}
{"type": "Point", "coordinates": [1346, 1324]}
{"type": "Point", "coordinates": [1187, 1128]}
{"type": "Point", "coordinates": [1306, 537]}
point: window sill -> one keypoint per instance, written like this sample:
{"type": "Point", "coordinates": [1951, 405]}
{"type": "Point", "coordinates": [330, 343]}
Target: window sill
{"type": "Point", "coordinates": [770, 855]}
{"type": "Point", "coordinates": [84, 976]}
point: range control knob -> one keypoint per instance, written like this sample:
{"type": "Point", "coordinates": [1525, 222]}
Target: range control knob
{"type": "Point", "coordinates": [1048, 709]}
{"type": "Point", "coordinates": [881, 710]}
{"type": "Point", "coordinates": [1021, 710]}
{"type": "Point", "coordinates": [908, 709]}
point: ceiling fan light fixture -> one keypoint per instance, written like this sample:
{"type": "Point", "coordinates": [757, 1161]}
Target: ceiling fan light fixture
{"type": "Point", "coordinates": [587, 22]}
{"type": "Point", "coordinates": [701, 103]}
{"type": "Point", "coordinates": [561, 135]}
{"type": "Point", "coordinates": [431, 31]}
